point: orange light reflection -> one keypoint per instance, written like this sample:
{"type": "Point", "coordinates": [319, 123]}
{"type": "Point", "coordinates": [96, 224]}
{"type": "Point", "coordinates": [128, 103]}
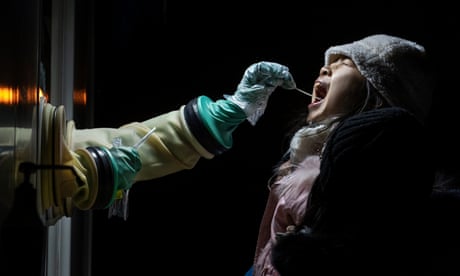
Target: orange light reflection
{"type": "Point", "coordinates": [11, 95]}
{"type": "Point", "coordinates": [79, 97]}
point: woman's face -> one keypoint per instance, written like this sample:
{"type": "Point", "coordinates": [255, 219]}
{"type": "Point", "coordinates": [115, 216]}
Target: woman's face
{"type": "Point", "coordinates": [339, 89]}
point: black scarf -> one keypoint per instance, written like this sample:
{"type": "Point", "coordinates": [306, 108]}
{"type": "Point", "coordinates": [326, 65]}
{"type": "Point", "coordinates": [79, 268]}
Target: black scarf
{"type": "Point", "coordinates": [370, 197]}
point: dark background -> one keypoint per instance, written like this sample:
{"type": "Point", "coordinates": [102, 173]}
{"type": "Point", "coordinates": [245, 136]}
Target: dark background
{"type": "Point", "coordinates": [153, 56]}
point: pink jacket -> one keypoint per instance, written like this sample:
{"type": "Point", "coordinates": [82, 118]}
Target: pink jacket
{"type": "Point", "coordinates": [285, 206]}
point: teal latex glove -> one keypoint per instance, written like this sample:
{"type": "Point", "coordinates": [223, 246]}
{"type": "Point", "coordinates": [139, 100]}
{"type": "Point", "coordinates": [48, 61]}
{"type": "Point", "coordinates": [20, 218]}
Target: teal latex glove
{"type": "Point", "coordinates": [126, 163]}
{"type": "Point", "coordinates": [220, 118]}
{"type": "Point", "coordinates": [258, 83]}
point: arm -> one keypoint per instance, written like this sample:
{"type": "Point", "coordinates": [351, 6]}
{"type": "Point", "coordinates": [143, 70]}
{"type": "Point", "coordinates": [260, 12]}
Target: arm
{"type": "Point", "coordinates": [201, 128]}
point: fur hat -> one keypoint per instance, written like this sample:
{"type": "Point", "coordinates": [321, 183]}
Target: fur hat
{"type": "Point", "coordinates": [397, 68]}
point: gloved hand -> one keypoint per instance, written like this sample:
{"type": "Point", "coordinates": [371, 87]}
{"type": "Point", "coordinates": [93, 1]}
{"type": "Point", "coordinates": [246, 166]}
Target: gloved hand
{"type": "Point", "coordinates": [214, 122]}
{"type": "Point", "coordinates": [125, 164]}
{"type": "Point", "coordinates": [258, 83]}
{"type": "Point", "coordinates": [109, 171]}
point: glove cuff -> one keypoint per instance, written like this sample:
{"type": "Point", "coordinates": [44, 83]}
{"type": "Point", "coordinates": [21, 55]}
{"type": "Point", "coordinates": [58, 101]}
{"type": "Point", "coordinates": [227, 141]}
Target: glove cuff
{"type": "Point", "coordinates": [198, 129]}
{"type": "Point", "coordinates": [111, 170]}
{"type": "Point", "coordinates": [212, 123]}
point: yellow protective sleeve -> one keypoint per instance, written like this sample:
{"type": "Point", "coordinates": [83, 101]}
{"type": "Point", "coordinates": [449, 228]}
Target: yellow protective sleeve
{"type": "Point", "coordinates": [171, 147]}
